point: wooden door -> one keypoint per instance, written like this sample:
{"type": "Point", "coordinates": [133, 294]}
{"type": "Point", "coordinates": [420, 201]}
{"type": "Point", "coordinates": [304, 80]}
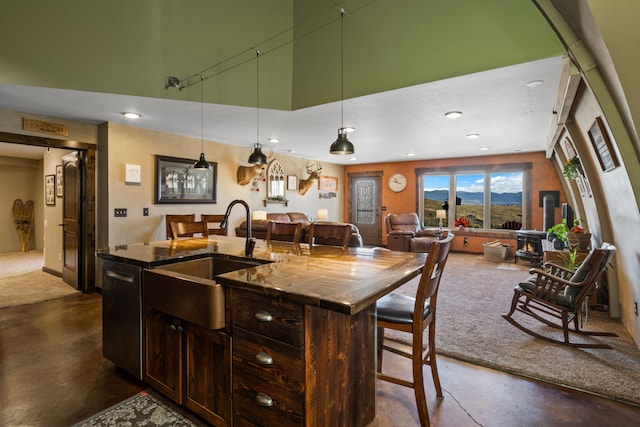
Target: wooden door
{"type": "Point", "coordinates": [364, 205]}
{"type": "Point", "coordinates": [71, 222]}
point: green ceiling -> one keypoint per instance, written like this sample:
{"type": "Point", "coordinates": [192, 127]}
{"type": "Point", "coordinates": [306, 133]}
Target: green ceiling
{"type": "Point", "coordinates": [129, 47]}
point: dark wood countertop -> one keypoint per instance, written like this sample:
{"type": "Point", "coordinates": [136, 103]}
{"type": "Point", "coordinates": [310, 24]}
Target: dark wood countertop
{"type": "Point", "coordinates": [346, 281]}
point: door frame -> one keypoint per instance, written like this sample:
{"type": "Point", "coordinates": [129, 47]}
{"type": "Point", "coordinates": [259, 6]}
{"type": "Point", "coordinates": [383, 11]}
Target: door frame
{"type": "Point", "coordinates": [87, 151]}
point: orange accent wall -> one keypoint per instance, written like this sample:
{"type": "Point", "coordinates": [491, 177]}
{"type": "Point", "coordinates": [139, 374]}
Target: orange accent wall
{"type": "Point", "coordinates": [543, 173]}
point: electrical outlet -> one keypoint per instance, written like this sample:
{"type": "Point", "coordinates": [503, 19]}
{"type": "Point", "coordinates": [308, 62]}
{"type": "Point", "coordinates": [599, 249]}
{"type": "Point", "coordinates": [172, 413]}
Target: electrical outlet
{"type": "Point", "coordinates": [145, 211]}
{"type": "Point", "coordinates": [120, 212]}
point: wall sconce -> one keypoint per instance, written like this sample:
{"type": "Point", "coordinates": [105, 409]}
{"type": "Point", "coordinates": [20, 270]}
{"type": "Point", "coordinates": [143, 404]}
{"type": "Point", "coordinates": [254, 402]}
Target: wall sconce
{"type": "Point", "coordinates": [323, 214]}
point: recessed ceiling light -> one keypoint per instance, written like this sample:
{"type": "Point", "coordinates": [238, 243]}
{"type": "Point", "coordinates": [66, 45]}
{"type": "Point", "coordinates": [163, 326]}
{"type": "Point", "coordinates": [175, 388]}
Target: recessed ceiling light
{"type": "Point", "coordinates": [274, 140]}
{"type": "Point", "coordinates": [132, 116]}
{"type": "Point", "coordinates": [534, 83]}
{"type": "Point", "coordinates": [484, 148]}
{"type": "Point", "coordinates": [353, 159]}
{"type": "Point", "coordinates": [473, 135]}
{"type": "Point", "coordinates": [411, 154]}
{"type": "Point", "coordinates": [453, 114]}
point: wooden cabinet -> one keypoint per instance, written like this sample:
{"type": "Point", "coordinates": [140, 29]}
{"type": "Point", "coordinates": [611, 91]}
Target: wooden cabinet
{"type": "Point", "coordinates": [189, 364]}
{"type": "Point", "coordinates": [295, 364]}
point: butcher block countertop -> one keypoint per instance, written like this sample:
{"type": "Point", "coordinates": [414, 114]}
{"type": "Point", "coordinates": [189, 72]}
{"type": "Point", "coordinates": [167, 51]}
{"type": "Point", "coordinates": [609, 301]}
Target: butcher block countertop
{"type": "Point", "coordinates": [345, 281]}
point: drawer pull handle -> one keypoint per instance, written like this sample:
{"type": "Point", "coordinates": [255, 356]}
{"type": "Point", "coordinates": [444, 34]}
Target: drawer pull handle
{"type": "Point", "coordinates": [264, 358]}
{"type": "Point", "coordinates": [263, 316]}
{"type": "Point", "coordinates": [264, 400]}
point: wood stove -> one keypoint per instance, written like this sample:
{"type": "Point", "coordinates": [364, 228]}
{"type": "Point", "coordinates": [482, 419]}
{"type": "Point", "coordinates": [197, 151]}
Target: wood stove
{"type": "Point", "coordinates": [530, 245]}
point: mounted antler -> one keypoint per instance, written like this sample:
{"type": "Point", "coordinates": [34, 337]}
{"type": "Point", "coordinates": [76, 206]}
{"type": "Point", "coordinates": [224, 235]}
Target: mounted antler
{"type": "Point", "coordinates": [246, 173]}
{"type": "Point", "coordinates": [314, 169]}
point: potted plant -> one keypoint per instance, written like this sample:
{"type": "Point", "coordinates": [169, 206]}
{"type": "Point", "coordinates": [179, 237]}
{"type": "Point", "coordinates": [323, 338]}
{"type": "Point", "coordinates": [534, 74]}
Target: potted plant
{"type": "Point", "coordinates": [578, 238]}
{"type": "Point", "coordinates": [572, 169]}
{"type": "Point", "coordinates": [557, 234]}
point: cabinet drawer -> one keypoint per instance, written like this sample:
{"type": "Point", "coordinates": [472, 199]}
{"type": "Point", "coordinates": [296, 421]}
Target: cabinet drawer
{"type": "Point", "coordinates": [270, 359]}
{"type": "Point", "coordinates": [269, 316]}
{"type": "Point", "coordinates": [265, 403]}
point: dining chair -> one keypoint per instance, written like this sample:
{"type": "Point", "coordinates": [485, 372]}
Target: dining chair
{"type": "Point", "coordinates": [188, 229]}
{"type": "Point", "coordinates": [284, 231]}
{"type": "Point", "coordinates": [413, 315]}
{"type": "Point", "coordinates": [169, 218]}
{"type": "Point", "coordinates": [213, 219]}
{"type": "Point", "coordinates": [330, 234]}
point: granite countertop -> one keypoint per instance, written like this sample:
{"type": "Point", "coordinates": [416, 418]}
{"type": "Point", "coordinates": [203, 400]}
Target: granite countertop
{"type": "Point", "coordinates": [343, 280]}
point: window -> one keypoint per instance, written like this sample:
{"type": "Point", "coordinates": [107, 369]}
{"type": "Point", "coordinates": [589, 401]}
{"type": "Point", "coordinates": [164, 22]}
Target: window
{"type": "Point", "coordinates": [483, 197]}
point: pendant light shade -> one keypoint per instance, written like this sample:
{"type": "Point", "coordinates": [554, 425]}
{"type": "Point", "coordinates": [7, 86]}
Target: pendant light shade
{"type": "Point", "coordinates": [257, 157]}
{"type": "Point", "coordinates": [341, 145]}
{"type": "Point", "coordinates": [201, 164]}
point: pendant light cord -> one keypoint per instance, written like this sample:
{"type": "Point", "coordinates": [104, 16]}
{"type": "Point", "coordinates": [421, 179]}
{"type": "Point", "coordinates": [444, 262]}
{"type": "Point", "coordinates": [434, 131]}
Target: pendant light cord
{"type": "Point", "coordinates": [342, 70]}
{"type": "Point", "coordinates": [257, 96]}
{"type": "Point", "coordinates": [201, 114]}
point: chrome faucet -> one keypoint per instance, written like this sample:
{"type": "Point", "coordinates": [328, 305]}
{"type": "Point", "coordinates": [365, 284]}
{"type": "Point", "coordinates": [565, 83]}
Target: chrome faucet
{"type": "Point", "coordinates": [251, 242]}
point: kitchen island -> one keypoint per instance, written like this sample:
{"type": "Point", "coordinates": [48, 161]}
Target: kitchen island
{"type": "Point", "coordinates": [296, 343]}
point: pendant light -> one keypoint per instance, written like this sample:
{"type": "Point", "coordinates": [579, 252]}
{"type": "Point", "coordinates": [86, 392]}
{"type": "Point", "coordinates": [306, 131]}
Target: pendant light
{"type": "Point", "coordinates": [201, 164]}
{"type": "Point", "coordinates": [342, 145]}
{"type": "Point", "coordinates": [258, 157]}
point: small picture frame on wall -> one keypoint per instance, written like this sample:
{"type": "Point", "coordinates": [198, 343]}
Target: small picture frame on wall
{"type": "Point", "coordinates": [328, 183]}
{"type": "Point", "coordinates": [602, 145]}
{"type": "Point", "coordinates": [50, 190]}
{"type": "Point", "coordinates": [59, 181]}
{"type": "Point", "coordinates": [292, 182]}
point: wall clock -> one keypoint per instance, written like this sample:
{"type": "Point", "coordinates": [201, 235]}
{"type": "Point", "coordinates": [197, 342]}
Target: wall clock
{"type": "Point", "coordinates": [397, 182]}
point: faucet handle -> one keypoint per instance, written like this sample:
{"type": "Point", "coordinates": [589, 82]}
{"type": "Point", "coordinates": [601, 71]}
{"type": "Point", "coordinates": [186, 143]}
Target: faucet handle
{"type": "Point", "coordinates": [249, 246]}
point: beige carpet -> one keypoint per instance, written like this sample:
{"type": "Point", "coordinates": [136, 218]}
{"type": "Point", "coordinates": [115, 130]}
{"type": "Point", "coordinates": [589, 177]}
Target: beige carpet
{"type": "Point", "coordinates": [22, 280]}
{"type": "Point", "coordinates": [474, 293]}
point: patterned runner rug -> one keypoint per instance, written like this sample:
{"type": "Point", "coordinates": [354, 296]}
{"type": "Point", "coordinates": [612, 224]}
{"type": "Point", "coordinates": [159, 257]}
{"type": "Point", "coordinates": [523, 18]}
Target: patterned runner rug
{"type": "Point", "coordinates": [143, 409]}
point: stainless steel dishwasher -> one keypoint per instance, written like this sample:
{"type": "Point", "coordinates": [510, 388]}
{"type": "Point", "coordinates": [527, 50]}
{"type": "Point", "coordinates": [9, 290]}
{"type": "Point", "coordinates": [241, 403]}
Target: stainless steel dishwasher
{"type": "Point", "coordinates": [122, 315]}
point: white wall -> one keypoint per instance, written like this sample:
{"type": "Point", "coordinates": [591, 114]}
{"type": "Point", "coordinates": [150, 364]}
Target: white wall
{"type": "Point", "coordinates": [129, 145]}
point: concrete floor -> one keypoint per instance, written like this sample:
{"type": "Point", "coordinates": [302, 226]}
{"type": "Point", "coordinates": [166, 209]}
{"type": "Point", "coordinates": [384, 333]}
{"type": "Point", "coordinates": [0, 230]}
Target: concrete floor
{"type": "Point", "coordinates": [52, 373]}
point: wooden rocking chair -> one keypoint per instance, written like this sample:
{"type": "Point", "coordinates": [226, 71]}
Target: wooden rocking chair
{"type": "Point", "coordinates": [560, 293]}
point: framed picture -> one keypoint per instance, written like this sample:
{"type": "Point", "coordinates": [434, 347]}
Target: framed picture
{"type": "Point", "coordinates": [50, 190]}
{"type": "Point", "coordinates": [602, 145]}
{"type": "Point", "coordinates": [59, 180]}
{"type": "Point", "coordinates": [328, 183]}
{"type": "Point", "coordinates": [176, 181]}
{"type": "Point", "coordinates": [292, 182]}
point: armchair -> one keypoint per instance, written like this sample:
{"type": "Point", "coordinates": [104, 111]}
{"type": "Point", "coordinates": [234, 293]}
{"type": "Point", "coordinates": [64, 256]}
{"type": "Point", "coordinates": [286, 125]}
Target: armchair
{"type": "Point", "coordinates": [405, 233]}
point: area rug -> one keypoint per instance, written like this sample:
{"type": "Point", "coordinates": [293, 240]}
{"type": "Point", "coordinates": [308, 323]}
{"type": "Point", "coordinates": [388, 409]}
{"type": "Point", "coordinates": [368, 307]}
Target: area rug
{"type": "Point", "coordinates": [475, 292]}
{"type": "Point", "coordinates": [143, 409]}
{"type": "Point", "coordinates": [29, 288]}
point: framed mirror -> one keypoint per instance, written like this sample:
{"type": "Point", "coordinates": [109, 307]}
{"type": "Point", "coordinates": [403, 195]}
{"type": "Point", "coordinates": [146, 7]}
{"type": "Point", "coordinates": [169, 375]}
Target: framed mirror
{"type": "Point", "coordinates": [275, 181]}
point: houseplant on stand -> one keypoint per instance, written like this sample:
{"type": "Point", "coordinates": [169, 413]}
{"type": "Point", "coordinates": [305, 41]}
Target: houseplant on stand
{"type": "Point", "coordinates": [557, 234]}
{"type": "Point", "coordinates": [578, 238]}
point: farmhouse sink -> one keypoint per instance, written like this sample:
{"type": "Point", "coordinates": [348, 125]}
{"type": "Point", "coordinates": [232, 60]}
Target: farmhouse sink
{"type": "Point", "coordinates": [188, 290]}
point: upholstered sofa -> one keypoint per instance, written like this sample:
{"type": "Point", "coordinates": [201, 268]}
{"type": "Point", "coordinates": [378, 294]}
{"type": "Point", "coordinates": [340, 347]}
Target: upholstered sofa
{"type": "Point", "coordinates": [405, 233]}
{"type": "Point", "coordinates": [259, 227]}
